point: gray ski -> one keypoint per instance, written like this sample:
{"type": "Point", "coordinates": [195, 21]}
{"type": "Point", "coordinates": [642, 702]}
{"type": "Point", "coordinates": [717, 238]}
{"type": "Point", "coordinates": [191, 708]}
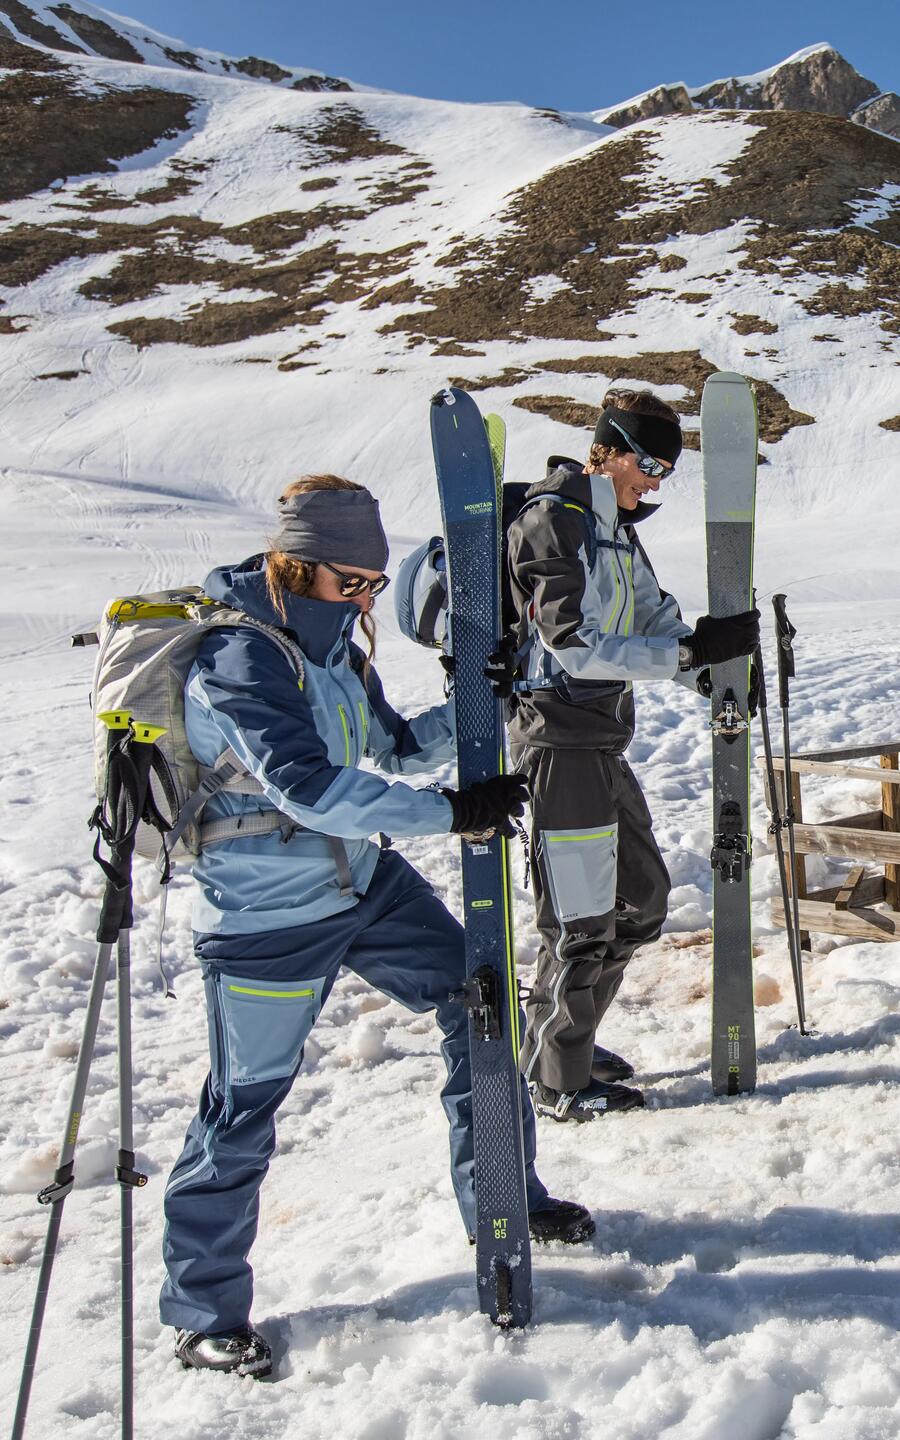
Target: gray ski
{"type": "Point", "coordinates": [728, 429]}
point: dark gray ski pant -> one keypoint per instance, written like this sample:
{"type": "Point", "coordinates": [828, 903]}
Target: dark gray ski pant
{"type": "Point", "coordinates": [600, 890]}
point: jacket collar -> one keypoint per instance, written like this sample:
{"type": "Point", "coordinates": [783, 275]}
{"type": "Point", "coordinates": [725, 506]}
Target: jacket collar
{"type": "Point", "coordinates": [566, 477]}
{"type": "Point", "coordinates": [321, 627]}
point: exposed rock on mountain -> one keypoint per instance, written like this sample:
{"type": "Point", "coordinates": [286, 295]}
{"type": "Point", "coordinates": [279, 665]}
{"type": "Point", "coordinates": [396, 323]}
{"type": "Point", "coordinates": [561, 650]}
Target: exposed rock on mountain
{"type": "Point", "coordinates": [882, 113]}
{"type": "Point", "coordinates": [116, 38]}
{"type": "Point", "coordinates": [99, 37]}
{"type": "Point", "coordinates": [819, 80]}
{"type": "Point", "coordinates": [52, 127]}
{"type": "Point", "coordinates": [664, 100]}
{"type": "Point", "coordinates": [28, 25]}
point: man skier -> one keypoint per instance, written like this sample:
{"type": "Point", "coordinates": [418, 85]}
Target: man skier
{"type": "Point", "coordinates": [590, 621]}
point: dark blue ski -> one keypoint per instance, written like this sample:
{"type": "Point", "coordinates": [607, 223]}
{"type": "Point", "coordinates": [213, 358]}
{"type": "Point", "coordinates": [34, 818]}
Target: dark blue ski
{"type": "Point", "coordinates": [470, 502]}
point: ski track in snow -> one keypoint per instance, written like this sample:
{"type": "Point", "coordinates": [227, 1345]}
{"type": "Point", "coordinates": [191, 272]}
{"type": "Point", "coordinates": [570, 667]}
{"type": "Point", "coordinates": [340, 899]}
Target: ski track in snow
{"type": "Point", "coordinates": [744, 1281]}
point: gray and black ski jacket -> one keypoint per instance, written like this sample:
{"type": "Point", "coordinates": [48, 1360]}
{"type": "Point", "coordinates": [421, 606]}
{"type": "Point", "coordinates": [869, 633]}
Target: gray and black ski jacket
{"type": "Point", "coordinates": [587, 599]}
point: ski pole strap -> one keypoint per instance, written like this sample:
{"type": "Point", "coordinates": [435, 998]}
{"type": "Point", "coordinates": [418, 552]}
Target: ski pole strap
{"type": "Point", "coordinates": [784, 633]}
{"type": "Point", "coordinates": [160, 931]}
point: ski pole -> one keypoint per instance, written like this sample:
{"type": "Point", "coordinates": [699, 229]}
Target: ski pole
{"type": "Point", "coordinates": [784, 634]}
{"type": "Point", "coordinates": [115, 819]}
{"type": "Point", "coordinates": [144, 738]}
{"type": "Point", "coordinates": [64, 1177]}
{"type": "Point", "coordinates": [775, 829]}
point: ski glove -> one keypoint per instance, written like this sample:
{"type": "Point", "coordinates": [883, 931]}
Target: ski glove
{"type": "Point", "coordinates": [705, 688]}
{"type": "Point", "coordinates": [502, 667]}
{"type": "Point", "coordinates": [725, 637]}
{"type": "Point", "coordinates": [487, 805]}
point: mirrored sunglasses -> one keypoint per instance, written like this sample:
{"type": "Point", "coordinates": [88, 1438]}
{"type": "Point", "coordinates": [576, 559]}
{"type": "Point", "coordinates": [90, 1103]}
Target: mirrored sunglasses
{"type": "Point", "coordinates": [646, 463]}
{"type": "Point", "coordinates": [353, 585]}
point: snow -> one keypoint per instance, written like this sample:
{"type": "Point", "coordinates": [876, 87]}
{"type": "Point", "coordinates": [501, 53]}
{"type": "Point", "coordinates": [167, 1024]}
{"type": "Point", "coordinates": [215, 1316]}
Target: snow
{"type": "Point", "coordinates": [743, 1280]}
{"type": "Point", "coordinates": [878, 207]}
{"type": "Point", "coordinates": [684, 163]}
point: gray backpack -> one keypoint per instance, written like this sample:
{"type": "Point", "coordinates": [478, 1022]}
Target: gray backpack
{"type": "Point", "coordinates": [148, 644]}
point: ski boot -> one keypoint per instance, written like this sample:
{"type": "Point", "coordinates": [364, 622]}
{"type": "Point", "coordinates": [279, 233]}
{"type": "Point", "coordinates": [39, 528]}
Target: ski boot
{"type": "Point", "coordinates": [243, 1352]}
{"type": "Point", "coordinates": [563, 1220]}
{"type": "Point", "coordinates": [609, 1067]}
{"type": "Point", "coordinates": [595, 1099]}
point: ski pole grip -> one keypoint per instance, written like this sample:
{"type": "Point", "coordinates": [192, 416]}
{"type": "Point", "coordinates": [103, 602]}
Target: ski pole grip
{"type": "Point", "coordinates": [784, 634]}
{"type": "Point", "coordinates": [761, 696]}
{"type": "Point", "coordinates": [757, 660]}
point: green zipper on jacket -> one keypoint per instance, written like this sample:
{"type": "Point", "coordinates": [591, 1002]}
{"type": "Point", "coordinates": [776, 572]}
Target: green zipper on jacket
{"type": "Point", "coordinates": [346, 729]}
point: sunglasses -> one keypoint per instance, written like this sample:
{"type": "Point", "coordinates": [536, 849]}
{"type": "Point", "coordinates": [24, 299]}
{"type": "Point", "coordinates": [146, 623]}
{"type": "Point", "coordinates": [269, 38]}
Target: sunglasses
{"type": "Point", "coordinates": [353, 585]}
{"type": "Point", "coordinates": [646, 463]}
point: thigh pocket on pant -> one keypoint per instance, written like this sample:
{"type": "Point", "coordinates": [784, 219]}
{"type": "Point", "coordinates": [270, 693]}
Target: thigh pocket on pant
{"type": "Point", "coordinates": [581, 870]}
{"type": "Point", "coordinates": [265, 1025]}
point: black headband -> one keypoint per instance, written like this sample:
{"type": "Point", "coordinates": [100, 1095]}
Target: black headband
{"type": "Point", "coordinates": [660, 438]}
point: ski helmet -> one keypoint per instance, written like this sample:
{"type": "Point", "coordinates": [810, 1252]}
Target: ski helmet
{"type": "Point", "coordinates": [420, 594]}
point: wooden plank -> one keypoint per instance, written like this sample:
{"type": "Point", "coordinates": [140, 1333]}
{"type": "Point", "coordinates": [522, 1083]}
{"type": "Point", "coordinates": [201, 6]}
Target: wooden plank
{"type": "Point", "coordinates": [835, 767]}
{"type": "Point", "coordinates": [845, 896]}
{"type": "Point", "coordinates": [867, 820]}
{"type": "Point", "coordinates": [862, 924]}
{"type": "Point", "coordinates": [869, 891]}
{"type": "Point", "coordinates": [860, 752]}
{"type": "Point", "coordinates": [798, 878]}
{"type": "Point", "coordinates": [890, 804]}
{"type": "Point", "coordinates": [874, 846]}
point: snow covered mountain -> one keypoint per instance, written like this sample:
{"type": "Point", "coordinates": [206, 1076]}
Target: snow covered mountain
{"type": "Point", "coordinates": [218, 272]}
{"type": "Point", "coordinates": [176, 218]}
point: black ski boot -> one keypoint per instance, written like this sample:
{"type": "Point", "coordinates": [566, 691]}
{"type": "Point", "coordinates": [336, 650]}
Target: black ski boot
{"type": "Point", "coordinates": [243, 1352]}
{"type": "Point", "coordinates": [563, 1220]}
{"type": "Point", "coordinates": [609, 1067]}
{"type": "Point", "coordinates": [595, 1099]}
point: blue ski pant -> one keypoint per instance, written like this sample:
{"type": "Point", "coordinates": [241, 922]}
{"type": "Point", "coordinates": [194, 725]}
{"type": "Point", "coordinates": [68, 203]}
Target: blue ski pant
{"type": "Point", "coordinates": [264, 993]}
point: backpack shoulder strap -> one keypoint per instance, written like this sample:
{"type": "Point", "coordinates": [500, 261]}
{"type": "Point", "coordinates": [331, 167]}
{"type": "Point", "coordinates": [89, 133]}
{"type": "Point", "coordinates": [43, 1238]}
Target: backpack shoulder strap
{"type": "Point", "coordinates": [590, 533]}
{"type": "Point", "coordinates": [238, 619]}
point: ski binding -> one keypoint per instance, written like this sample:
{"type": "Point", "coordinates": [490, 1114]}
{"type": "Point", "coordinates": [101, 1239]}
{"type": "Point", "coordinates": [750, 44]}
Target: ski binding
{"type": "Point", "coordinates": [730, 853]}
{"type": "Point", "coordinates": [481, 996]}
{"type": "Point", "coordinates": [729, 723]}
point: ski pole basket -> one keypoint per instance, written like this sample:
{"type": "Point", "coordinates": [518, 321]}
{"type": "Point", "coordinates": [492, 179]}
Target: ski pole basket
{"type": "Point", "coordinates": [871, 838]}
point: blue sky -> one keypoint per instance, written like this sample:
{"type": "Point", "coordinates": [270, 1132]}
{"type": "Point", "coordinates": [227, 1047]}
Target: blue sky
{"type": "Point", "coordinates": [570, 54]}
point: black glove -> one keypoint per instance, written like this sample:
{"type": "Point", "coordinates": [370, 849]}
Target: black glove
{"type": "Point", "coordinates": [704, 688]}
{"type": "Point", "coordinates": [487, 805]}
{"type": "Point", "coordinates": [725, 637]}
{"type": "Point", "coordinates": [502, 666]}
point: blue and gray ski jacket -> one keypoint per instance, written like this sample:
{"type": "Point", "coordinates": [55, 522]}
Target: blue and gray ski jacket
{"type": "Point", "coordinates": [303, 742]}
{"type": "Point", "coordinates": [589, 604]}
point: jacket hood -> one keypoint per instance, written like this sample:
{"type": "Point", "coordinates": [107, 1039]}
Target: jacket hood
{"type": "Point", "coordinates": [319, 626]}
{"type": "Point", "coordinates": [596, 492]}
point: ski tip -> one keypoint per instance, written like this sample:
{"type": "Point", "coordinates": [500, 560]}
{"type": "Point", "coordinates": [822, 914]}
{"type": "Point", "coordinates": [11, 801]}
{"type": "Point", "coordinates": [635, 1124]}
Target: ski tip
{"type": "Point", "coordinates": [444, 397]}
{"type": "Point", "coordinates": [727, 377]}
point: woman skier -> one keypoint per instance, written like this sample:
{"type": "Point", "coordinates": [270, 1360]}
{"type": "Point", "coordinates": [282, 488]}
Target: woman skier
{"type": "Point", "coordinates": [278, 913]}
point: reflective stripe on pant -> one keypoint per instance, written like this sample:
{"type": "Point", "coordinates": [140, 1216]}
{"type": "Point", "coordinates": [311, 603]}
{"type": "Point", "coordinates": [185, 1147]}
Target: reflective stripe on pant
{"type": "Point", "coordinates": [600, 890]}
{"type": "Point", "coordinates": [264, 992]}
